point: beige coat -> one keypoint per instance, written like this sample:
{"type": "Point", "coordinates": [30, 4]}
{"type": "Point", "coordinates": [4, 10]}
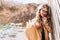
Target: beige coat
{"type": "Point", "coordinates": [36, 34]}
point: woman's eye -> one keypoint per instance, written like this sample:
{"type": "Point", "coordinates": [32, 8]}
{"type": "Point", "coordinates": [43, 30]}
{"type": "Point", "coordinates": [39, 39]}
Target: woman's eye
{"type": "Point", "coordinates": [45, 11]}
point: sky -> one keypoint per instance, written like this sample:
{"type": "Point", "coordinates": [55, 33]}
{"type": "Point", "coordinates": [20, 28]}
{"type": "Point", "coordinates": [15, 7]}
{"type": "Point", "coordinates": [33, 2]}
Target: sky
{"type": "Point", "coordinates": [26, 1]}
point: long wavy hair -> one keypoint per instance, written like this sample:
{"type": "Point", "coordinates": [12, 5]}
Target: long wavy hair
{"type": "Point", "coordinates": [38, 16]}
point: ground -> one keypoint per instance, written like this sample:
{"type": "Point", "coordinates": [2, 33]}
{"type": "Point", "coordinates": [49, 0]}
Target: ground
{"type": "Point", "coordinates": [13, 33]}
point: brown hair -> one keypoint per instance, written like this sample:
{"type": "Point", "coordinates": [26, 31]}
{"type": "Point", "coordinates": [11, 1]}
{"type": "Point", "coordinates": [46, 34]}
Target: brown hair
{"type": "Point", "coordinates": [38, 16]}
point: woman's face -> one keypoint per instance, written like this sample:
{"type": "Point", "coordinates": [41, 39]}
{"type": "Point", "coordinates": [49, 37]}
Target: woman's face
{"type": "Point", "coordinates": [44, 11]}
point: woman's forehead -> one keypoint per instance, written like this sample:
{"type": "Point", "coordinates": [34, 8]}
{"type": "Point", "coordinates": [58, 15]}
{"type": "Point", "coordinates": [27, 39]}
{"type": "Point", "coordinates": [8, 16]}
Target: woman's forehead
{"type": "Point", "coordinates": [45, 6]}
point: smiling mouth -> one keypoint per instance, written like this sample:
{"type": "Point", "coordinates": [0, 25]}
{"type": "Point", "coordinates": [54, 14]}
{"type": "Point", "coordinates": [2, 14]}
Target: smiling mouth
{"type": "Point", "coordinates": [44, 14]}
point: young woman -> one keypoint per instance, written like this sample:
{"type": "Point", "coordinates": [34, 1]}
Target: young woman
{"type": "Point", "coordinates": [40, 26]}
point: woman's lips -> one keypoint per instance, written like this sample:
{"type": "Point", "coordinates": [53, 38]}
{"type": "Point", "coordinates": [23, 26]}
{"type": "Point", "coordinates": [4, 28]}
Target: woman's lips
{"type": "Point", "coordinates": [44, 14]}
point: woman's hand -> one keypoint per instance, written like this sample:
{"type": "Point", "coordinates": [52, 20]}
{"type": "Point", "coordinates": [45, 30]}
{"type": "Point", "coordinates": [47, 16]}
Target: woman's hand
{"type": "Point", "coordinates": [44, 20]}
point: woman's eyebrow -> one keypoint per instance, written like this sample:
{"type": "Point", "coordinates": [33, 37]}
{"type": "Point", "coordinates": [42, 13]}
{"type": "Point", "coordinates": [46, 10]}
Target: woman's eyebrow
{"type": "Point", "coordinates": [45, 11]}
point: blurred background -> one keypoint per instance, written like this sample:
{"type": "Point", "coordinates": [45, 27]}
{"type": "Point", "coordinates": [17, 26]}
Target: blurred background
{"type": "Point", "coordinates": [18, 11]}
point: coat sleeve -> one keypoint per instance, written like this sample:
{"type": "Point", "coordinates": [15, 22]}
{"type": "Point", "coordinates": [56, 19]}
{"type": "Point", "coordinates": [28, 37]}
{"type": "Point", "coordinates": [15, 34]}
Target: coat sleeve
{"type": "Point", "coordinates": [48, 26]}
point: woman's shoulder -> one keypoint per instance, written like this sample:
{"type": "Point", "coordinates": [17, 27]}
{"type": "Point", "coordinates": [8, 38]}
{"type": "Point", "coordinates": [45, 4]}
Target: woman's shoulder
{"type": "Point", "coordinates": [29, 30]}
{"type": "Point", "coordinates": [31, 23]}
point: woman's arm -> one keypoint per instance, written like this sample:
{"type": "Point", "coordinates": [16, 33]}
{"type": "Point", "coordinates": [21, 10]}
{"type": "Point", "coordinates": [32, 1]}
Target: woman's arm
{"type": "Point", "coordinates": [48, 26]}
